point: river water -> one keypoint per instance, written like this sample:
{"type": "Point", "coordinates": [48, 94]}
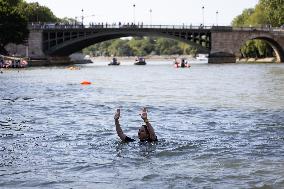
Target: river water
{"type": "Point", "coordinates": [219, 126]}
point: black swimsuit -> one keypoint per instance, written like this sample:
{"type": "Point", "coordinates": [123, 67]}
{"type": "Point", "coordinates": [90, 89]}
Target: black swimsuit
{"type": "Point", "coordinates": [127, 139]}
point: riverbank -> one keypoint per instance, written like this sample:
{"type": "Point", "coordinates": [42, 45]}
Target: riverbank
{"type": "Point", "coordinates": [257, 60]}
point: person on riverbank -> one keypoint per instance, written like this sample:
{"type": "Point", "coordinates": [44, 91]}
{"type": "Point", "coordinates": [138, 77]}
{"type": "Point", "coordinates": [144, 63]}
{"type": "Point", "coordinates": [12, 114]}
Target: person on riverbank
{"type": "Point", "coordinates": [145, 133]}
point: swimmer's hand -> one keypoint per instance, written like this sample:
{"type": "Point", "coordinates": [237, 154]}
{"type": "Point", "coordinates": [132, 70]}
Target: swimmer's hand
{"type": "Point", "coordinates": [144, 114]}
{"type": "Point", "coordinates": [117, 114]}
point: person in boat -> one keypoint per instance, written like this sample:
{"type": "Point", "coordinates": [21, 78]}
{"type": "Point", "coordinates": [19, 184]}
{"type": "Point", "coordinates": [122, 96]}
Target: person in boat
{"type": "Point", "coordinates": [145, 133]}
{"type": "Point", "coordinates": [114, 62]}
{"type": "Point", "coordinates": [175, 62]}
{"type": "Point", "coordinates": [182, 65]}
{"type": "Point", "coordinates": [1, 62]}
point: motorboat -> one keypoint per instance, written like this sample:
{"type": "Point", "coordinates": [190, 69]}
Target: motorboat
{"type": "Point", "coordinates": [114, 62]}
{"type": "Point", "coordinates": [140, 61]}
{"type": "Point", "coordinates": [202, 57]}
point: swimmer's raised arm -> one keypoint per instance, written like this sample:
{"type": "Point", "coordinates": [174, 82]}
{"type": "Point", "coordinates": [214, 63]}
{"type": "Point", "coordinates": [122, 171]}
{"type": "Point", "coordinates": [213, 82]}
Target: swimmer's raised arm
{"type": "Point", "coordinates": [119, 131]}
{"type": "Point", "coordinates": [151, 130]}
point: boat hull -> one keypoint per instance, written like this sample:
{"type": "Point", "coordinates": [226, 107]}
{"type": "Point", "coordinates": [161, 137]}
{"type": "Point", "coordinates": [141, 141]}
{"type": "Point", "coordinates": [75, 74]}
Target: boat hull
{"type": "Point", "coordinates": [114, 64]}
{"type": "Point", "coordinates": [140, 63]}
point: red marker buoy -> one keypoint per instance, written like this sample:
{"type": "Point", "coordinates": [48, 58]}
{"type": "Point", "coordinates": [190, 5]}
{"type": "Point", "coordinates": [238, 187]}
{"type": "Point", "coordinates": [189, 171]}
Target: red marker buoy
{"type": "Point", "coordinates": [86, 83]}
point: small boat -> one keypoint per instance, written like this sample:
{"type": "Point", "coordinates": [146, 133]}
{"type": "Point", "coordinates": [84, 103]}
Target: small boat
{"type": "Point", "coordinates": [140, 61]}
{"type": "Point", "coordinates": [181, 63]}
{"type": "Point", "coordinates": [12, 62]}
{"type": "Point", "coordinates": [114, 62]}
{"type": "Point", "coordinates": [202, 57]}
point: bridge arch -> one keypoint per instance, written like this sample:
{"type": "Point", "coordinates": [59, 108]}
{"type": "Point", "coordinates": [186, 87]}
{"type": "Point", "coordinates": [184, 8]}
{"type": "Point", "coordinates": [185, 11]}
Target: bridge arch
{"type": "Point", "coordinates": [68, 47]}
{"type": "Point", "coordinates": [278, 49]}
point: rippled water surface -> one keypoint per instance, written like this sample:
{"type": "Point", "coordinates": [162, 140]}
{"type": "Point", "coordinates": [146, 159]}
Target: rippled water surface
{"type": "Point", "coordinates": [219, 126]}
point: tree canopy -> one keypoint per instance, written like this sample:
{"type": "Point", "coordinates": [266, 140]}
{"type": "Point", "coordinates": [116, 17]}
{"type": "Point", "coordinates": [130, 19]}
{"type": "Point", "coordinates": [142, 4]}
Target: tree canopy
{"type": "Point", "coordinates": [266, 12]}
{"type": "Point", "coordinates": [273, 11]}
{"type": "Point", "coordinates": [34, 12]}
{"type": "Point", "coordinates": [14, 18]}
{"type": "Point", "coordinates": [140, 46]}
{"type": "Point", "coordinates": [13, 24]}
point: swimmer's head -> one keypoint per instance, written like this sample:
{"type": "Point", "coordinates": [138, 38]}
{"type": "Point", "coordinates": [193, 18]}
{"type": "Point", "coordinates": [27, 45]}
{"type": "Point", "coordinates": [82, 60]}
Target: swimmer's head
{"type": "Point", "coordinates": [143, 133]}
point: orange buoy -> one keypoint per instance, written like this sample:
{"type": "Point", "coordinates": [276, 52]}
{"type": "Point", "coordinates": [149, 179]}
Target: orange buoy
{"type": "Point", "coordinates": [86, 83]}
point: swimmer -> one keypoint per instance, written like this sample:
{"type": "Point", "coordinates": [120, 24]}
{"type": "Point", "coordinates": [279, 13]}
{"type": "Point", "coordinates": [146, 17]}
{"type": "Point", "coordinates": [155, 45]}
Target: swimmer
{"type": "Point", "coordinates": [145, 133]}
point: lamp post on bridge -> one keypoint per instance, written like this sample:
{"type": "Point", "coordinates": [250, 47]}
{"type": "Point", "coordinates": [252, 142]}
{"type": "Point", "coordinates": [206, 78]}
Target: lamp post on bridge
{"type": "Point", "coordinates": [82, 17]}
{"type": "Point", "coordinates": [37, 12]}
{"type": "Point", "coordinates": [134, 14]}
{"type": "Point", "coordinates": [150, 17]}
{"type": "Point", "coordinates": [217, 14]}
{"type": "Point", "coordinates": [203, 15]}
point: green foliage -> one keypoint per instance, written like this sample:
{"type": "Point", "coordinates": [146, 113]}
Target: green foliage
{"type": "Point", "coordinates": [14, 18]}
{"type": "Point", "coordinates": [274, 11]}
{"type": "Point", "coordinates": [140, 46]}
{"type": "Point", "coordinates": [37, 13]}
{"type": "Point", "coordinates": [13, 24]}
{"type": "Point", "coordinates": [266, 13]}
{"type": "Point", "coordinates": [256, 49]}
{"type": "Point", "coordinates": [67, 20]}
{"type": "Point", "coordinates": [10, 3]}
{"type": "Point", "coordinates": [257, 18]}
{"type": "Point", "coordinates": [242, 20]}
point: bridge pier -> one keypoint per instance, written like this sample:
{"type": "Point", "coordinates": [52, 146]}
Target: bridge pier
{"type": "Point", "coordinates": [57, 60]}
{"type": "Point", "coordinates": [220, 58]}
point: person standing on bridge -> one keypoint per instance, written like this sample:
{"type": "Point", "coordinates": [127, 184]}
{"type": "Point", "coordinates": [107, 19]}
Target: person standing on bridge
{"type": "Point", "coordinates": [145, 133]}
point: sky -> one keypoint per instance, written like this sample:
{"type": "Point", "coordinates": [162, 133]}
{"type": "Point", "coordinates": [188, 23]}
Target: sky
{"type": "Point", "coordinates": [163, 12]}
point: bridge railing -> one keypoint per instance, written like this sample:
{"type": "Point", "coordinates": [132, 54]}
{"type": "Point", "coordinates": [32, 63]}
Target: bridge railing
{"type": "Point", "coordinates": [269, 29]}
{"type": "Point", "coordinates": [141, 26]}
{"type": "Point", "coordinates": [112, 26]}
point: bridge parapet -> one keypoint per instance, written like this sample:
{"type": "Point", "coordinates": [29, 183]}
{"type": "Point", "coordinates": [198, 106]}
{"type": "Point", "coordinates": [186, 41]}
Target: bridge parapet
{"type": "Point", "coordinates": [46, 26]}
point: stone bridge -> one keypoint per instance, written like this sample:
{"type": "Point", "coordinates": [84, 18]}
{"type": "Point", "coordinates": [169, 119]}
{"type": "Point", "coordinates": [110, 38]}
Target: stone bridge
{"type": "Point", "coordinates": [222, 43]}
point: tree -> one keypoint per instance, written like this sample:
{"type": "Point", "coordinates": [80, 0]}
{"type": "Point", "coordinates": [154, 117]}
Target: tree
{"type": "Point", "coordinates": [14, 18]}
{"type": "Point", "coordinates": [34, 12]}
{"type": "Point", "coordinates": [67, 20]}
{"type": "Point", "coordinates": [242, 20]}
{"type": "Point", "coordinates": [120, 48]}
{"type": "Point", "coordinates": [13, 25]}
{"type": "Point", "coordinates": [257, 18]}
{"type": "Point", "coordinates": [274, 11]}
{"type": "Point", "coordinates": [140, 46]}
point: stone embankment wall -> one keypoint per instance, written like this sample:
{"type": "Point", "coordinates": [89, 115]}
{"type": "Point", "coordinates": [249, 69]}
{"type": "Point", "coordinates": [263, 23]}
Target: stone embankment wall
{"type": "Point", "coordinates": [33, 49]}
